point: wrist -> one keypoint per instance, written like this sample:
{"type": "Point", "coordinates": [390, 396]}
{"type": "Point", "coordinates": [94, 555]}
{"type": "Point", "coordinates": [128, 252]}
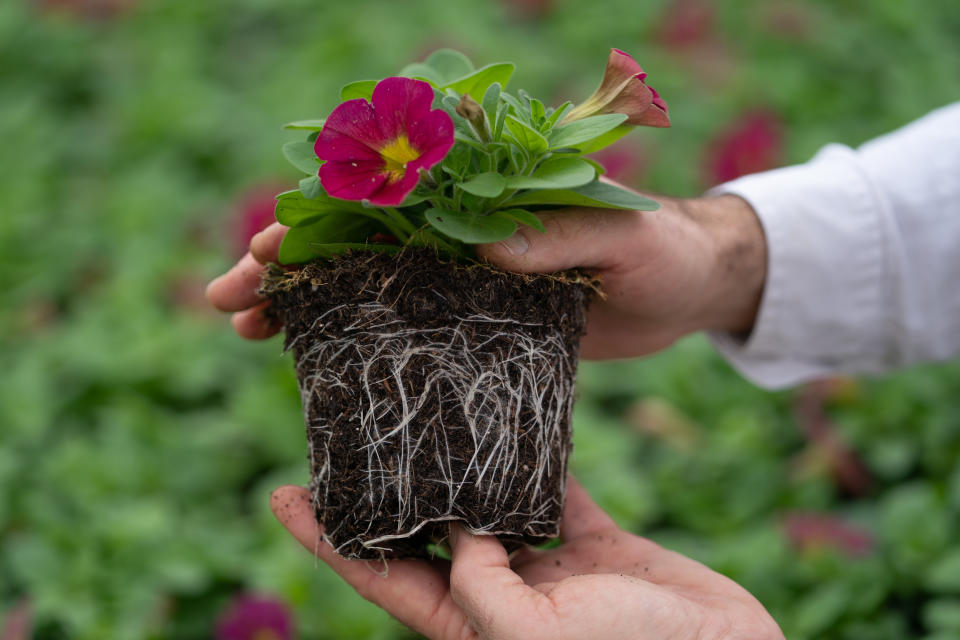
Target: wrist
{"type": "Point", "coordinates": [738, 262]}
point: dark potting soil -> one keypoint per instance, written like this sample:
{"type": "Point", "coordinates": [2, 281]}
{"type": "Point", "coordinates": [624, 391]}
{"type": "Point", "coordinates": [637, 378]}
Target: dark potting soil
{"type": "Point", "coordinates": [432, 391]}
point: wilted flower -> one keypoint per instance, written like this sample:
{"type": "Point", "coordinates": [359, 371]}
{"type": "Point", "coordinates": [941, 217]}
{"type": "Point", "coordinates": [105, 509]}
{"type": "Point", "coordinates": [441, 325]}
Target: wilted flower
{"type": "Point", "coordinates": [751, 144]}
{"type": "Point", "coordinates": [623, 90]}
{"type": "Point", "coordinates": [375, 150]}
{"type": "Point", "coordinates": [255, 618]}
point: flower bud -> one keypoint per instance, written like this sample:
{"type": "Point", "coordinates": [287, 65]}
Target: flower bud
{"type": "Point", "coordinates": [472, 112]}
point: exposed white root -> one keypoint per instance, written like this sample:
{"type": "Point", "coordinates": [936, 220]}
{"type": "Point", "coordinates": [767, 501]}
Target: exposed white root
{"type": "Point", "coordinates": [512, 393]}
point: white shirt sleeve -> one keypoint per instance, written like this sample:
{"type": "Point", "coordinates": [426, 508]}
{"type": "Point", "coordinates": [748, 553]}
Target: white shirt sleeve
{"type": "Point", "coordinates": [863, 271]}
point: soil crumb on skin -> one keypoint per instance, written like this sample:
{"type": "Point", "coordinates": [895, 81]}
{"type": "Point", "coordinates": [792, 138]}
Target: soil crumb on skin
{"type": "Point", "coordinates": [432, 391]}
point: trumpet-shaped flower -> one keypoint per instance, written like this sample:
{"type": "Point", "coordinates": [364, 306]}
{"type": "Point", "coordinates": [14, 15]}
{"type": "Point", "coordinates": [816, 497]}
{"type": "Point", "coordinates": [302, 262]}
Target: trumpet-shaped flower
{"type": "Point", "coordinates": [624, 90]}
{"type": "Point", "coordinates": [375, 150]}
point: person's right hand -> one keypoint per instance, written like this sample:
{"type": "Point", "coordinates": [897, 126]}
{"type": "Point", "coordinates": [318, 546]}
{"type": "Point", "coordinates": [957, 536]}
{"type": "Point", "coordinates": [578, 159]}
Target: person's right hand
{"type": "Point", "coordinates": [602, 583]}
{"type": "Point", "coordinates": [693, 264]}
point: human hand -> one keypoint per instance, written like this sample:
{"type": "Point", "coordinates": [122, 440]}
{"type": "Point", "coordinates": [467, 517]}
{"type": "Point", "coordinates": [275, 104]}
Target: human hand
{"type": "Point", "coordinates": [602, 583]}
{"type": "Point", "coordinates": [693, 264]}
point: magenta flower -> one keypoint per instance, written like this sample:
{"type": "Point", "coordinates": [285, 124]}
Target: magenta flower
{"type": "Point", "coordinates": [375, 150]}
{"type": "Point", "coordinates": [624, 90]}
{"type": "Point", "coordinates": [255, 618]}
{"type": "Point", "coordinates": [753, 143]}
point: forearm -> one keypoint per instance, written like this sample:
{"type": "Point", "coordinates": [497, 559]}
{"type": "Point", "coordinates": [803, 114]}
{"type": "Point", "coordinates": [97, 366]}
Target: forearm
{"type": "Point", "coordinates": [862, 261]}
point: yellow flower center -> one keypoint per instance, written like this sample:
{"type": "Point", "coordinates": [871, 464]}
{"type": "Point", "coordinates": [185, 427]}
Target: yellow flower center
{"type": "Point", "coordinates": [396, 155]}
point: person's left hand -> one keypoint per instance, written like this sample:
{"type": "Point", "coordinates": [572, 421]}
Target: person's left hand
{"type": "Point", "coordinates": [601, 583]}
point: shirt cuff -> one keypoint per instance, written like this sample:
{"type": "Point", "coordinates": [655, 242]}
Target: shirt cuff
{"type": "Point", "coordinates": [822, 306]}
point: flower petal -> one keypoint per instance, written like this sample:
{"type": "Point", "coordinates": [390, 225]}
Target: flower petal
{"type": "Point", "coordinates": [398, 103]}
{"type": "Point", "coordinates": [352, 180]}
{"type": "Point", "coordinates": [390, 194]}
{"type": "Point", "coordinates": [432, 136]}
{"type": "Point", "coordinates": [351, 132]}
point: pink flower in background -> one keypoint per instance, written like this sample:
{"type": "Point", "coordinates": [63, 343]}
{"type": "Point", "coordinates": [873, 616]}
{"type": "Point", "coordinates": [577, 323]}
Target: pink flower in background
{"type": "Point", "coordinates": [623, 90]}
{"type": "Point", "coordinates": [255, 618]}
{"type": "Point", "coordinates": [686, 24]}
{"type": "Point", "coordinates": [254, 213]}
{"type": "Point", "coordinates": [18, 622]}
{"type": "Point", "coordinates": [811, 530]}
{"type": "Point", "coordinates": [375, 150]}
{"type": "Point", "coordinates": [752, 143]}
{"type": "Point", "coordinates": [624, 161]}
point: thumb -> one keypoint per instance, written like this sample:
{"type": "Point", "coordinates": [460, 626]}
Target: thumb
{"type": "Point", "coordinates": [575, 237]}
{"type": "Point", "coordinates": [495, 600]}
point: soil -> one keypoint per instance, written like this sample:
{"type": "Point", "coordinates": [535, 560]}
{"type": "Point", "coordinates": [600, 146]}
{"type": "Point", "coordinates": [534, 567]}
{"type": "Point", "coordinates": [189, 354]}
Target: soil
{"type": "Point", "coordinates": [432, 391]}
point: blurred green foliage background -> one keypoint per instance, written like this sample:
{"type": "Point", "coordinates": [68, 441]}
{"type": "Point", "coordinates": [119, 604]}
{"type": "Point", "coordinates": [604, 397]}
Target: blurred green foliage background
{"type": "Point", "coordinates": [139, 438]}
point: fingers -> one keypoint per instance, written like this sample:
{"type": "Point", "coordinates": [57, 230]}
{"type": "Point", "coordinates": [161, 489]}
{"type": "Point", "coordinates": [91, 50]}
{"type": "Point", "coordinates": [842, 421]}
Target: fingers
{"type": "Point", "coordinates": [495, 600]}
{"type": "Point", "coordinates": [413, 591]}
{"type": "Point", "coordinates": [254, 324]}
{"type": "Point", "coordinates": [236, 290]}
{"type": "Point", "coordinates": [265, 246]}
{"type": "Point", "coordinates": [575, 237]}
{"type": "Point", "coordinates": [581, 515]}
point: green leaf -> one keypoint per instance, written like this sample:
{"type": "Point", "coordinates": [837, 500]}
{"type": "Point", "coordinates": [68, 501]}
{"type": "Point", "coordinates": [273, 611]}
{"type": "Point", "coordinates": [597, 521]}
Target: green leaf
{"type": "Point", "coordinates": [294, 210]}
{"type": "Point", "coordinates": [449, 64]}
{"type": "Point", "coordinates": [302, 156]}
{"type": "Point", "coordinates": [523, 217]}
{"type": "Point", "coordinates": [581, 131]}
{"type": "Point", "coordinates": [486, 185]}
{"type": "Point", "coordinates": [526, 136]}
{"type": "Point", "coordinates": [606, 139]}
{"type": "Point", "coordinates": [310, 187]}
{"type": "Point", "coordinates": [457, 160]}
{"type": "Point", "coordinates": [471, 228]}
{"type": "Point", "coordinates": [491, 100]}
{"type": "Point", "coordinates": [556, 173]}
{"type": "Point", "coordinates": [477, 83]}
{"type": "Point", "coordinates": [537, 112]}
{"type": "Point", "coordinates": [309, 125]}
{"type": "Point", "coordinates": [359, 89]}
{"type": "Point", "coordinates": [421, 71]}
{"type": "Point", "coordinates": [559, 112]}
{"type": "Point", "coordinates": [304, 243]}
{"type": "Point", "coordinates": [595, 194]}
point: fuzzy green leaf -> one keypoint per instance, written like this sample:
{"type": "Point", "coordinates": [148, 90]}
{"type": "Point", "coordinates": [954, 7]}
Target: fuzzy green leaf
{"type": "Point", "coordinates": [581, 131]}
{"type": "Point", "coordinates": [491, 100]}
{"type": "Point", "coordinates": [486, 185]}
{"type": "Point", "coordinates": [302, 156]}
{"type": "Point", "coordinates": [449, 64]}
{"type": "Point", "coordinates": [595, 194]}
{"type": "Point", "coordinates": [523, 217]}
{"type": "Point", "coordinates": [477, 83]}
{"type": "Point", "coordinates": [359, 89]}
{"type": "Point", "coordinates": [309, 125]}
{"type": "Point", "coordinates": [559, 112]}
{"type": "Point", "coordinates": [471, 228]}
{"type": "Point", "coordinates": [304, 243]}
{"type": "Point", "coordinates": [310, 187]}
{"type": "Point", "coordinates": [526, 136]}
{"type": "Point", "coordinates": [421, 71]}
{"type": "Point", "coordinates": [556, 173]}
{"type": "Point", "coordinates": [606, 139]}
{"type": "Point", "coordinates": [294, 210]}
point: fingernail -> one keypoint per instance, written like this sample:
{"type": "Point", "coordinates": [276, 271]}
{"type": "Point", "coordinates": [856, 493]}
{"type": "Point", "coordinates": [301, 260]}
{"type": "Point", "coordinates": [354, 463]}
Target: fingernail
{"type": "Point", "coordinates": [454, 534]}
{"type": "Point", "coordinates": [516, 244]}
{"type": "Point", "coordinates": [254, 237]}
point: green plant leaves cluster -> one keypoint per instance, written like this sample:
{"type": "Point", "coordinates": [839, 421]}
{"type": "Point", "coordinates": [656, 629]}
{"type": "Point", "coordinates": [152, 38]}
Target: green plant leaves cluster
{"type": "Point", "coordinates": [509, 160]}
